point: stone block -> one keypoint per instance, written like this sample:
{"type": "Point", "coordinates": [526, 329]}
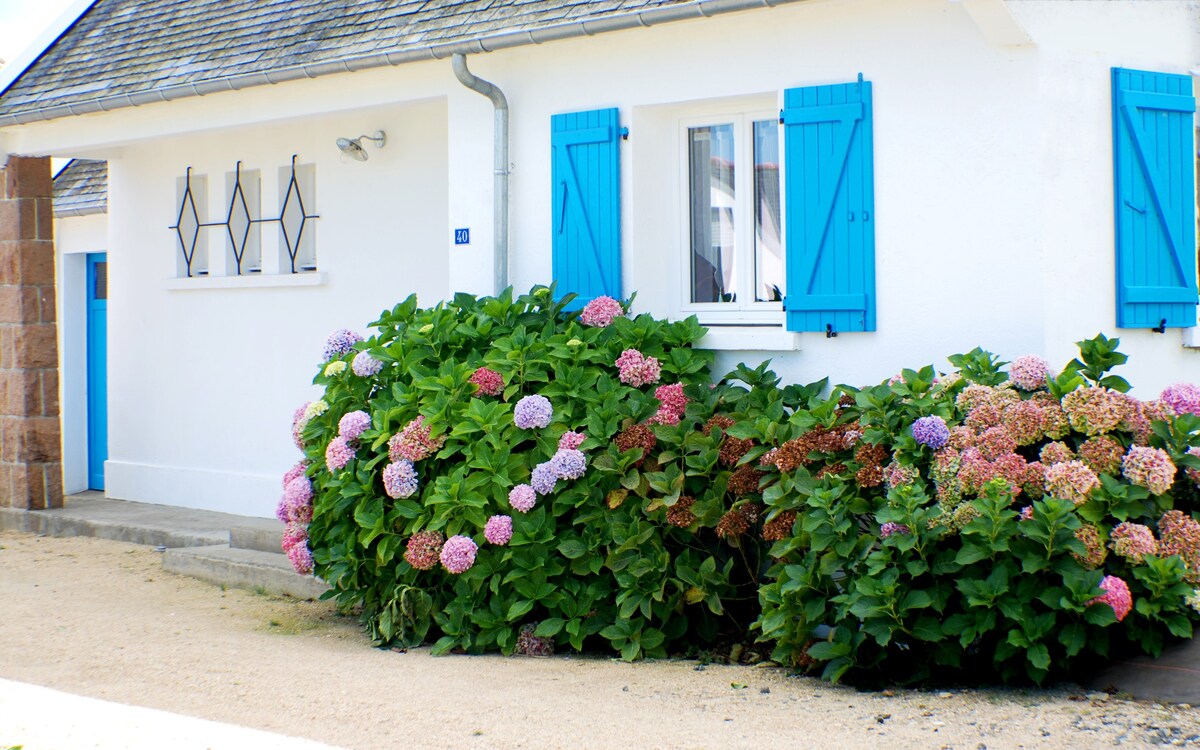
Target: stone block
{"type": "Point", "coordinates": [28, 177]}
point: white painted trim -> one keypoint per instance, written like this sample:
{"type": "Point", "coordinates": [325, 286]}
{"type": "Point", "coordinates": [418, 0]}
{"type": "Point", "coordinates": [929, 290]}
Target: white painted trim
{"type": "Point", "coordinates": [16, 68]}
{"type": "Point", "coordinates": [197, 283]}
{"type": "Point", "coordinates": [1190, 337]}
{"type": "Point", "coordinates": [242, 493]}
{"type": "Point", "coordinates": [750, 339]}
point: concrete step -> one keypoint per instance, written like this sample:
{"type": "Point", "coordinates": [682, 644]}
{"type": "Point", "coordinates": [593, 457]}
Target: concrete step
{"type": "Point", "coordinates": [1174, 677]}
{"type": "Point", "coordinates": [91, 514]}
{"type": "Point", "coordinates": [259, 537]}
{"type": "Point", "coordinates": [243, 568]}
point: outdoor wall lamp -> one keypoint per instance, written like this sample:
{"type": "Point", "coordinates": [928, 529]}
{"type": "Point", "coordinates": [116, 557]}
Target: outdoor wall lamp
{"type": "Point", "coordinates": [353, 147]}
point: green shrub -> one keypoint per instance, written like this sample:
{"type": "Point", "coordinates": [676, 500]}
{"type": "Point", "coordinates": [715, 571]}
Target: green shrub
{"type": "Point", "coordinates": [596, 560]}
{"type": "Point", "coordinates": [837, 528]}
{"type": "Point", "coordinates": [960, 562]}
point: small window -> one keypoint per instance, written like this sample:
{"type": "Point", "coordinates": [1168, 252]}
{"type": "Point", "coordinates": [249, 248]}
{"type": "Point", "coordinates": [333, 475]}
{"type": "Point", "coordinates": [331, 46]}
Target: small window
{"type": "Point", "coordinates": [735, 255]}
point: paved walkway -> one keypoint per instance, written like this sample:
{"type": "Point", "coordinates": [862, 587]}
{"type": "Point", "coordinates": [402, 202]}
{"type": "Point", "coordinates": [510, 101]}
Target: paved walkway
{"type": "Point", "coordinates": [37, 718]}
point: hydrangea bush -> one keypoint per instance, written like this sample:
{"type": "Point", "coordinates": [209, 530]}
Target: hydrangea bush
{"type": "Point", "coordinates": [501, 474]}
{"type": "Point", "coordinates": [1023, 524]}
{"type": "Point", "coordinates": [473, 481]}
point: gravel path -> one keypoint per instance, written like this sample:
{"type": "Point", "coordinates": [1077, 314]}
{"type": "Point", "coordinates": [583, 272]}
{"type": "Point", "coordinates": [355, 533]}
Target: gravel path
{"type": "Point", "coordinates": [102, 619]}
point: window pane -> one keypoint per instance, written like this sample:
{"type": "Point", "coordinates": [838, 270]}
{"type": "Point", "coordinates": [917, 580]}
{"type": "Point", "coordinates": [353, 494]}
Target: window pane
{"type": "Point", "coordinates": [768, 243]}
{"type": "Point", "coordinates": [710, 152]}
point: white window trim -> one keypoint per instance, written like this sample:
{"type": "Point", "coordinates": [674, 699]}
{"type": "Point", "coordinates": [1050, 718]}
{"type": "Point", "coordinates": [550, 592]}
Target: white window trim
{"type": "Point", "coordinates": [246, 281]}
{"type": "Point", "coordinates": [767, 314]}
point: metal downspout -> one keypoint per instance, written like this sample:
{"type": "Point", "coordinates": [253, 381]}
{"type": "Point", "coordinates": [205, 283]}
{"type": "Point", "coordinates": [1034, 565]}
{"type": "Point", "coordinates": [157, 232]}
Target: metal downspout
{"type": "Point", "coordinates": [500, 149]}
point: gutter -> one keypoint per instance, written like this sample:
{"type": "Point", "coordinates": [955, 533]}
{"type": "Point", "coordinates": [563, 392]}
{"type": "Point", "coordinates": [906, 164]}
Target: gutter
{"type": "Point", "coordinates": [475, 45]}
{"type": "Point", "coordinates": [500, 161]}
{"type": "Point", "coordinates": [61, 213]}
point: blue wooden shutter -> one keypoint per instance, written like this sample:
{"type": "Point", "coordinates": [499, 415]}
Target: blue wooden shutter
{"type": "Point", "coordinates": [586, 204]}
{"type": "Point", "coordinates": [1155, 199]}
{"type": "Point", "coordinates": [830, 193]}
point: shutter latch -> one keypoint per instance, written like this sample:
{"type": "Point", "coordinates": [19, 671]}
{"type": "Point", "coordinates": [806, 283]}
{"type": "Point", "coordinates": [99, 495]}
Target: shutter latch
{"type": "Point", "coordinates": [1161, 327]}
{"type": "Point", "coordinates": [829, 332]}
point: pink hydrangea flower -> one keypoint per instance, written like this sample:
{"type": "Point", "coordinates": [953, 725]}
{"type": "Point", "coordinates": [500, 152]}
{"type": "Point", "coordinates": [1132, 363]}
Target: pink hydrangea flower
{"type": "Point", "coordinates": [1183, 398]}
{"type": "Point", "coordinates": [1027, 513]}
{"type": "Point", "coordinates": [413, 442]}
{"type": "Point", "coordinates": [498, 530]}
{"type": "Point", "coordinates": [423, 549]}
{"type": "Point", "coordinates": [354, 424]}
{"type": "Point", "coordinates": [1194, 474]}
{"type": "Point", "coordinates": [1071, 480]}
{"type": "Point", "coordinates": [1151, 468]}
{"type": "Point", "coordinates": [522, 498]}
{"type": "Point", "coordinates": [296, 471]}
{"type": "Point", "coordinates": [1029, 372]}
{"type": "Point", "coordinates": [672, 404]}
{"type": "Point", "coordinates": [298, 424]}
{"type": "Point", "coordinates": [571, 440]}
{"type": "Point", "coordinates": [601, 312]}
{"type": "Point", "coordinates": [297, 501]}
{"type": "Point", "coordinates": [1116, 595]}
{"type": "Point", "coordinates": [889, 528]}
{"type": "Point", "coordinates": [637, 370]}
{"type": "Point", "coordinates": [1133, 541]}
{"type": "Point", "coordinates": [400, 479]}
{"type": "Point", "coordinates": [1094, 410]}
{"type": "Point", "coordinates": [487, 381]}
{"type": "Point", "coordinates": [338, 454]}
{"type": "Point", "coordinates": [301, 558]}
{"type": "Point", "coordinates": [458, 554]}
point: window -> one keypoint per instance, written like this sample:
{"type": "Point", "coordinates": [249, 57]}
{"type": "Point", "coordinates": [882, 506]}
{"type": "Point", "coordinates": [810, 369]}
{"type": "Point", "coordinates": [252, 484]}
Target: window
{"type": "Point", "coordinates": [735, 254]}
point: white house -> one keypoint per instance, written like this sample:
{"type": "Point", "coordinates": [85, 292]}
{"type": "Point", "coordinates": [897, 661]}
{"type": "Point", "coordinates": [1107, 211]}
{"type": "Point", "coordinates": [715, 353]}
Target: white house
{"type": "Point", "coordinates": [917, 177]}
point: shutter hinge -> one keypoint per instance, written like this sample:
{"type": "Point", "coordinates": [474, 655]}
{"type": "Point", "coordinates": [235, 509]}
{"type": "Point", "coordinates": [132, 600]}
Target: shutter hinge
{"type": "Point", "coordinates": [829, 332]}
{"type": "Point", "coordinates": [624, 134]}
{"type": "Point", "coordinates": [781, 117]}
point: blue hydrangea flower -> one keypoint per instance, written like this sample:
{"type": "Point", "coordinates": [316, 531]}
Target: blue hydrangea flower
{"type": "Point", "coordinates": [533, 412]}
{"type": "Point", "coordinates": [931, 431]}
{"type": "Point", "coordinates": [569, 464]}
{"type": "Point", "coordinates": [544, 478]}
{"type": "Point", "coordinates": [365, 366]}
{"type": "Point", "coordinates": [400, 479]}
{"type": "Point", "coordinates": [340, 342]}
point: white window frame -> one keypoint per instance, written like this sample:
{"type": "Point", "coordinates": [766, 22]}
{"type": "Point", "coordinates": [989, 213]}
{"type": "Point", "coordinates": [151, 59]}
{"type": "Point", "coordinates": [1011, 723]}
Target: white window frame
{"type": "Point", "coordinates": [741, 312]}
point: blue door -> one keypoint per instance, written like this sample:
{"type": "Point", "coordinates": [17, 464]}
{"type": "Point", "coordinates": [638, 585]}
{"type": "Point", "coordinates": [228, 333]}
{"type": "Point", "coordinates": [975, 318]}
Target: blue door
{"type": "Point", "coordinates": [97, 369]}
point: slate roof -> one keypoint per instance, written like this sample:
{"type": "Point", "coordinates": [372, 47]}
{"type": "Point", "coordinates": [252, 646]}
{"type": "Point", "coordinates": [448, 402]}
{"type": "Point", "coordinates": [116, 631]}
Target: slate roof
{"type": "Point", "coordinates": [81, 188]}
{"type": "Point", "coordinates": [127, 52]}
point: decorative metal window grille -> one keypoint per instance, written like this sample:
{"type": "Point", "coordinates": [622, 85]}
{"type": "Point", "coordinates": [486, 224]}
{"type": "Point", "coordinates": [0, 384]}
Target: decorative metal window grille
{"type": "Point", "coordinates": [238, 221]}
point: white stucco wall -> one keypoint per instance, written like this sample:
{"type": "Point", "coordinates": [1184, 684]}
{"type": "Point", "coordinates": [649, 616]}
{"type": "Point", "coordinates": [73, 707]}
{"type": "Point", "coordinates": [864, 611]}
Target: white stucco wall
{"type": "Point", "coordinates": [993, 203]}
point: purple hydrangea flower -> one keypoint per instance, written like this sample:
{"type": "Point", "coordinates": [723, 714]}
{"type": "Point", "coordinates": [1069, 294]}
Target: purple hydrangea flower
{"type": "Point", "coordinates": [365, 366]}
{"type": "Point", "coordinates": [522, 498]}
{"type": "Point", "coordinates": [400, 479]}
{"type": "Point", "coordinates": [544, 478]}
{"type": "Point", "coordinates": [340, 342]}
{"type": "Point", "coordinates": [931, 431]}
{"type": "Point", "coordinates": [499, 530]}
{"type": "Point", "coordinates": [890, 528]}
{"type": "Point", "coordinates": [301, 559]}
{"type": "Point", "coordinates": [354, 424]}
{"type": "Point", "coordinates": [458, 554]}
{"type": "Point", "coordinates": [533, 412]}
{"type": "Point", "coordinates": [338, 454]}
{"type": "Point", "coordinates": [568, 463]}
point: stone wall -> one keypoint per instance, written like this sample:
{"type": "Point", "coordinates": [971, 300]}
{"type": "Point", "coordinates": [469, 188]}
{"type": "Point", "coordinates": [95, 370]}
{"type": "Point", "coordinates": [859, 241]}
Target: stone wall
{"type": "Point", "coordinates": [30, 447]}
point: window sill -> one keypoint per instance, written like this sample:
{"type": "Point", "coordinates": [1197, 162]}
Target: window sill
{"type": "Point", "coordinates": [750, 339]}
{"type": "Point", "coordinates": [246, 282]}
{"type": "Point", "coordinates": [1191, 337]}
